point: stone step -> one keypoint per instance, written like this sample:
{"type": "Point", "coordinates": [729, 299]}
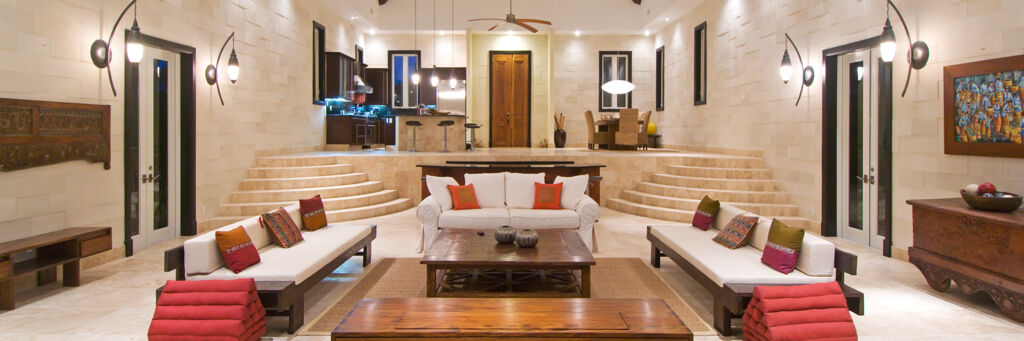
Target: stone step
{"type": "Point", "coordinates": [721, 161]}
{"type": "Point", "coordinates": [761, 209]}
{"type": "Point", "coordinates": [716, 183]}
{"type": "Point", "coordinates": [298, 172]}
{"type": "Point", "coordinates": [302, 193]}
{"type": "Point", "coordinates": [717, 194]}
{"type": "Point", "coordinates": [296, 161]}
{"type": "Point", "coordinates": [330, 204]}
{"type": "Point", "coordinates": [304, 182]}
{"type": "Point", "coordinates": [682, 216]}
{"type": "Point", "coordinates": [332, 216]}
{"type": "Point", "coordinates": [721, 173]}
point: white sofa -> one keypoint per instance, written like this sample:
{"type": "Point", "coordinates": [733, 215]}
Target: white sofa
{"type": "Point", "coordinates": [503, 199]}
{"type": "Point", "coordinates": [715, 266]}
{"type": "Point", "coordinates": [303, 265]}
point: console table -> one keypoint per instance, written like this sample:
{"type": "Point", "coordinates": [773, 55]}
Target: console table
{"type": "Point", "coordinates": [551, 169]}
{"type": "Point", "coordinates": [982, 251]}
{"type": "Point", "coordinates": [63, 247]}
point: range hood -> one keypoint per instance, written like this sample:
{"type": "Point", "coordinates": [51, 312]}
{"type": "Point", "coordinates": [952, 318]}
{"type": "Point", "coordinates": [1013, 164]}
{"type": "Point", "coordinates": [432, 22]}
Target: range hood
{"type": "Point", "coordinates": [361, 87]}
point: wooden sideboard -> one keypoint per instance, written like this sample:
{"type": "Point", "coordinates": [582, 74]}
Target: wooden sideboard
{"type": "Point", "coordinates": [63, 247]}
{"type": "Point", "coordinates": [982, 251]}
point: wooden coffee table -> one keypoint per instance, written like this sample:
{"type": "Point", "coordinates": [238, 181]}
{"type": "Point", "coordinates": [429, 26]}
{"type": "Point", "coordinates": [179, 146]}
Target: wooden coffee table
{"type": "Point", "coordinates": [464, 263]}
{"type": "Point", "coordinates": [511, 319]}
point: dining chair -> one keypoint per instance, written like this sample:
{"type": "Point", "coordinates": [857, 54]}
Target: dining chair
{"type": "Point", "coordinates": [645, 120]}
{"type": "Point", "coordinates": [628, 128]}
{"type": "Point", "coordinates": [595, 137]}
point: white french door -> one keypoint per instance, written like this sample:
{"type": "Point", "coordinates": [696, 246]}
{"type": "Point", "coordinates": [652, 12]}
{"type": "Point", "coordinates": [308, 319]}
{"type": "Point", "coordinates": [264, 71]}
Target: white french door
{"type": "Point", "coordinates": [159, 142]}
{"type": "Point", "coordinates": [858, 147]}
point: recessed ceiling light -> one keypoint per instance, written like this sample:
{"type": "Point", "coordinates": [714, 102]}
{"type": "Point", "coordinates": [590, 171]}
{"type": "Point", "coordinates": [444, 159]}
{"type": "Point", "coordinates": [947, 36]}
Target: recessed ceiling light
{"type": "Point", "coordinates": [666, 19]}
{"type": "Point", "coordinates": [373, 31]}
{"type": "Point", "coordinates": [577, 33]}
{"type": "Point", "coordinates": [351, 18]}
{"type": "Point", "coordinates": [442, 33]}
{"type": "Point", "coordinates": [647, 33]}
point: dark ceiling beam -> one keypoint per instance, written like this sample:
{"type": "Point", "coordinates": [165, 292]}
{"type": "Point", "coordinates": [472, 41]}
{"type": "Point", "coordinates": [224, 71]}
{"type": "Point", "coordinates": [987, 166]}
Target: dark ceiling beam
{"type": "Point", "coordinates": [634, 1]}
{"type": "Point", "coordinates": [382, 2]}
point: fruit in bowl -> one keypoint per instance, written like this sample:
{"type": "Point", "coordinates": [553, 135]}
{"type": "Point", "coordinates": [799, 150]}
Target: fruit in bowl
{"type": "Point", "coordinates": [971, 189]}
{"type": "Point", "coordinates": [986, 198]}
{"type": "Point", "coordinates": [986, 188]}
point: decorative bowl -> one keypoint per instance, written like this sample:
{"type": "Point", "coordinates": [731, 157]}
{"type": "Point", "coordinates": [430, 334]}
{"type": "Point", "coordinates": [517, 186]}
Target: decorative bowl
{"type": "Point", "coordinates": [505, 235]}
{"type": "Point", "coordinates": [526, 238]}
{"type": "Point", "coordinates": [995, 204]}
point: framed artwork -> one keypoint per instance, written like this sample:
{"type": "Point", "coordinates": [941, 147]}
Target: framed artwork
{"type": "Point", "coordinates": [982, 108]}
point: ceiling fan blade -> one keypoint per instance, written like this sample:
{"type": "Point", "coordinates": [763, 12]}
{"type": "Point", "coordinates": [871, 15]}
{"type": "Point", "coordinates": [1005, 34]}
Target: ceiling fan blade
{"type": "Point", "coordinates": [538, 21]}
{"type": "Point", "coordinates": [528, 27]}
{"type": "Point", "coordinates": [494, 27]}
{"type": "Point", "coordinates": [482, 19]}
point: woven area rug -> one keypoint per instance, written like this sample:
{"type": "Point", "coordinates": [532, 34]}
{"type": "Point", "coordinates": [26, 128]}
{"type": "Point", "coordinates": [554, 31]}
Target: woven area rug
{"type": "Point", "coordinates": [405, 277]}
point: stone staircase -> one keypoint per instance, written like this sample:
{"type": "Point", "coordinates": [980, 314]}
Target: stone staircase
{"type": "Point", "coordinates": [280, 181]}
{"type": "Point", "coordinates": [741, 181]}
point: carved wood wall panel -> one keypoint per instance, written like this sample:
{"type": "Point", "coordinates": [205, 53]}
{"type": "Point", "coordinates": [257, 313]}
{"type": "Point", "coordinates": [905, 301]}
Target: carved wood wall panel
{"type": "Point", "coordinates": [39, 133]}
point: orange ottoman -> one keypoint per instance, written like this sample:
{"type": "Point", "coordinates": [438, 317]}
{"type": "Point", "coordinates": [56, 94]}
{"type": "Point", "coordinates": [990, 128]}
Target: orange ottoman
{"type": "Point", "coordinates": [799, 312]}
{"type": "Point", "coordinates": [209, 310]}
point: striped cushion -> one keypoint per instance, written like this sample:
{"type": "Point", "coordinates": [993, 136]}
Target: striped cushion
{"type": "Point", "coordinates": [281, 227]}
{"type": "Point", "coordinates": [737, 232]}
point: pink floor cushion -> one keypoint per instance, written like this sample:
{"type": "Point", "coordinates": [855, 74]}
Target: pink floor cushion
{"type": "Point", "coordinates": [799, 312]}
{"type": "Point", "coordinates": [209, 310]}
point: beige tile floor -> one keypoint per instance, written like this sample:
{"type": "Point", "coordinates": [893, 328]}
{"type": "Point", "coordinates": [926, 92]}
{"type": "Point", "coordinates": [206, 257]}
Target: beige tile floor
{"type": "Point", "coordinates": [116, 300]}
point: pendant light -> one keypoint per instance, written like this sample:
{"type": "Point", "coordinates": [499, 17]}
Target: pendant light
{"type": "Point", "coordinates": [451, 73]}
{"type": "Point", "coordinates": [618, 87]}
{"type": "Point", "coordinates": [100, 49]}
{"type": "Point", "coordinates": [233, 68]}
{"type": "Point", "coordinates": [786, 69]}
{"type": "Point", "coordinates": [917, 56]}
{"type": "Point", "coordinates": [415, 77]}
{"type": "Point", "coordinates": [434, 80]}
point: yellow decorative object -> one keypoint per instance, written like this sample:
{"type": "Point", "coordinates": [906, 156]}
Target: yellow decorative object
{"type": "Point", "coordinates": [651, 128]}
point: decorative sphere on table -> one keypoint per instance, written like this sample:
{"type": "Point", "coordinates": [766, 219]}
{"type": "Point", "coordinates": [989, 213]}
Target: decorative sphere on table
{"type": "Point", "coordinates": [526, 238]}
{"type": "Point", "coordinates": [505, 235]}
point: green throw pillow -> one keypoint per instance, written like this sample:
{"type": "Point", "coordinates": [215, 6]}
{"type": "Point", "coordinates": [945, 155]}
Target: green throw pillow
{"type": "Point", "coordinates": [783, 247]}
{"type": "Point", "coordinates": [705, 214]}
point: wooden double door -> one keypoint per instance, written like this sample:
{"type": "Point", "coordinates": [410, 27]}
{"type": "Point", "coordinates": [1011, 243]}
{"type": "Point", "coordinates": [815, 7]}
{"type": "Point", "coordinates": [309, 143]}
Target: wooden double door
{"type": "Point", "coordinates": [510, 99]}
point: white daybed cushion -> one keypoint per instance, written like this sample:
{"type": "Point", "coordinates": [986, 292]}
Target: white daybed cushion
{"type": "Point", "coordinates": [483, 218]}
{"type": "Point", "coordinates": [760, 237]}
{"type": "Point", "coordinates": [438, 188]}
{"type": "Point", "coordinates": [489, 189]}
{"type": "Point", "coordinates": [723, 265]}
{"type": "Point", "coordinates": [544, 219]}
{"type": "Point", "coordinates": [299, 262]}
{"type": "Point", "coordinates": [202, 255]}
{"type": "Point", "coordinates": [573, 189]}
{"type": "Point", "coordinates": [520, 190]}
{"type": "Point", "coordinates": [725, 214]}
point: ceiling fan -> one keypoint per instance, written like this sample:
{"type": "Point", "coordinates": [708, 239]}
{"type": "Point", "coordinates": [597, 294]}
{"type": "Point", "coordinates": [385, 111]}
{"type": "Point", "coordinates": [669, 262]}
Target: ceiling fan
{"type": "Point", "coordinates": [510, 18]}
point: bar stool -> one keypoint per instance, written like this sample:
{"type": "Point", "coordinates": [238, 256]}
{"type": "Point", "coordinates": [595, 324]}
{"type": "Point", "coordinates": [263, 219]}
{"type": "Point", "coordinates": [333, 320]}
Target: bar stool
{"type": "Point", "coordinates": [415, 125]}
{"type": "Point", "coordinates": [472, 135]}
{"type": "Point", "coordinates": [445, 124]}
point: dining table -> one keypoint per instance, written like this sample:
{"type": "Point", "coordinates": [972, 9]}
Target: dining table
{"type": "Point", "coordinates": [611, 125]}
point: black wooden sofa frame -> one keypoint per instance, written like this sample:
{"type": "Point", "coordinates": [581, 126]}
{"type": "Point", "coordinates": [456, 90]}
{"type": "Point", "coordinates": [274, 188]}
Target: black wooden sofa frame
{"type": "Point", "coordinates": [283, 298]}
{"type": "Point", "coordinates": [730, 301]}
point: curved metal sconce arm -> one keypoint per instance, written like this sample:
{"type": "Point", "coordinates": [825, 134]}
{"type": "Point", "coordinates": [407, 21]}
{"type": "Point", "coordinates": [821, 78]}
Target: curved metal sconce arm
{"type": "Point", "coordinates": [806, 72]}
{"type": "Point", "coordinates": [917, 55]}
{"type": "Point", "coordinates": [212, 69]}
{"type": "Point", "coordinates": [102, 59]}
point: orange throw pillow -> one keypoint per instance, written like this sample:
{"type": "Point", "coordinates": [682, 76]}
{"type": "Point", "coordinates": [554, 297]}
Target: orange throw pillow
{"type": "Point", "coordinates": [236, 248]}
{"type": "Point", "coordinates": [312, 212]}
{"type": "Point", "coordinates": [463, 197]}
{"type": "Point", "coordinates": [547, 197]}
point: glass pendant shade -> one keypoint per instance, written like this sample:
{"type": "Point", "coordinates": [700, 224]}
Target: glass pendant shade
{"type": "Point", "coordinates": [888, 43]}
{"type": "Point", "coordinates": [786, 69]}
{"type": "Point", "coordinates": [133, 44]}
{"type": "Point", "coordinates": [415, 78]}
{"type": "Point", "coordinates": [233, 67]}
{"type": "Point", "coordinates": [434, 80]}
{"type": "Point", "coordinates": [452, 82]}
{"type": "Point", "coordinates": [618, 87]}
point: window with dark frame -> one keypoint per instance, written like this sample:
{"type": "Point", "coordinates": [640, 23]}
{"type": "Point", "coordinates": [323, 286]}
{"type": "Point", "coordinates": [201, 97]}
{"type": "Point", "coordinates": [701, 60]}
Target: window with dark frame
{"type": "Point", "coordinates": [319, 79]}
{"type": "Point", "coordinates": [659, 78]}
{"type": "Point", "coordinates": [401, 66]}
{"type": "Point", "coordinates": [700, 64]}
{"type": "Point", "coordinates": [614, 65]}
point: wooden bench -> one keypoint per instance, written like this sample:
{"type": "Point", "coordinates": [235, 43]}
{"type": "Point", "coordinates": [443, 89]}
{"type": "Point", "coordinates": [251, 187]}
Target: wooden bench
{"type": "Point", "coordinates": [731, 300]}
{"type": "Point", "coordinates": [283, 298]}
{"type": "Point", "coordinates": [63, 247]}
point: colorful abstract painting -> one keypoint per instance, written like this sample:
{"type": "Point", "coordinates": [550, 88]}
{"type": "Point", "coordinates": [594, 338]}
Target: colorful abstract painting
{"type": "Point", "coordinates": [988, 108]}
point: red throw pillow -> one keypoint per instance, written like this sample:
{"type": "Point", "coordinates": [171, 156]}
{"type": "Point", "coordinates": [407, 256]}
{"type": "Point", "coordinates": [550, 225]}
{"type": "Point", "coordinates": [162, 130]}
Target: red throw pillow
{"type": "Point", "coordinates": [547, 197]}
{"type": "Point", "coordinates": [281, 227]}
{"type": "Point", "coordinates": [236, 248]}
{"type": "Point", "coordinates": [312, 211]}
{"type": "Point", "coordinates": [463, 197]}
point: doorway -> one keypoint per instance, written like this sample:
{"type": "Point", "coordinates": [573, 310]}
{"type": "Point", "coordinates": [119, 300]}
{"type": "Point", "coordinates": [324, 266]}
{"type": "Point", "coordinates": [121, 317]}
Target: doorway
{"type": "Point", "coordinates": [857, 145]}
{"type": "Point", "coordinates": [510, 98]}
{"type": "Point", "coordinates": [159, 145]}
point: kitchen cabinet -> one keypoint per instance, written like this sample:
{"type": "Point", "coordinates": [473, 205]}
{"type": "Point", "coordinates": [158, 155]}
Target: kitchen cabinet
{"type": "Point", "coordinates": [378, 79]}
{"type": "Point", "coordinates": [339, 71]}
{"type": "Point", "coordinates": [386, 130]}
{"type": "Point", "coordinates": [352, 130]}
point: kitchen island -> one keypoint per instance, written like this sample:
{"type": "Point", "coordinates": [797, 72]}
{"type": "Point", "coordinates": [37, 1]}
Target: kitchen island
{"type": "Point", "coordinates": [430, 137]}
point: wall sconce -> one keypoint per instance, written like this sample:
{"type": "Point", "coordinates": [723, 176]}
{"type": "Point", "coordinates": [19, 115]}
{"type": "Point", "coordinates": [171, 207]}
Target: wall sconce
{"type": "Point", "coordinates": [786, 69]}
{"type": "Point", "coordinates": [917, 56]}
{"type": "Point", "coordinates": [100, 49]}
{"type": "Point", "coordinates": [211, 70]}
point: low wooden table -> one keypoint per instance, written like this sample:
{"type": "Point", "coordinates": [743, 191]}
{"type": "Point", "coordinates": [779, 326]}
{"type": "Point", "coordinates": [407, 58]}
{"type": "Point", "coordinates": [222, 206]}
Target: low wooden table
{"type": "Point", "coordinates": [463, 258]}
{"type": "Point", "coordinates": [511, 319]}
{"type": "Point", "coordinates": [58, 248]}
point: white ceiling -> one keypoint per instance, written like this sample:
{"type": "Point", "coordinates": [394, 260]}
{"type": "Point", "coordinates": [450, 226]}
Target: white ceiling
{"type": "Point", "coordinates": [588, 16]}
